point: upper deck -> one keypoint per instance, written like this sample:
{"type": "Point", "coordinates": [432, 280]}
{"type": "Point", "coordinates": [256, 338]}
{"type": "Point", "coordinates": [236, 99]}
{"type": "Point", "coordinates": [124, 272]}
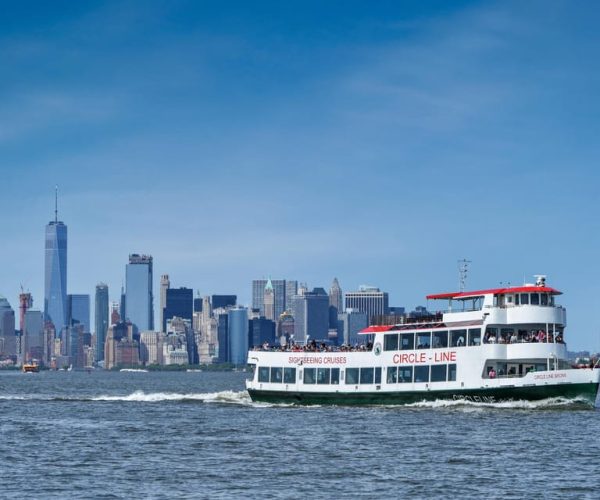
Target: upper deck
{"type": "Point", "coordinates": [527, 304]}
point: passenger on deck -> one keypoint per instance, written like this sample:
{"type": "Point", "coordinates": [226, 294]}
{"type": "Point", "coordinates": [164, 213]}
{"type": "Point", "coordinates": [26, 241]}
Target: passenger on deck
{"type": "Point", "coordinates": [492, 373]}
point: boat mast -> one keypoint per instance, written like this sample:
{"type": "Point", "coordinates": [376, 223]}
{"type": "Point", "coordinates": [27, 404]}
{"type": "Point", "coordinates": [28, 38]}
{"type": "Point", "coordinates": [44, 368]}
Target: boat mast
{"type": "Point", "coordinates": [463, 269]}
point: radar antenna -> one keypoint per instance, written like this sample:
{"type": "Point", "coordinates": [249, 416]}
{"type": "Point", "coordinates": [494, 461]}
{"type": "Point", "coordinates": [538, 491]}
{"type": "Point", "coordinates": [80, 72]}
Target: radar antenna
{"type": "Point", "coordinates": [463, 269]}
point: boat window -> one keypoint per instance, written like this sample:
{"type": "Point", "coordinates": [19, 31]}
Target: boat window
{"type": "Point", "coordinates": [276, 375]}
{"type": "Point", "coordinates": [440, 339]}
{"type": "Point", "coordinates": [323, 375]}
{"type": "Point", "coordinates": [405, 374]}
{"type": "Point", "coordinates": [352, 375]}
{"type": "Point", "coordinates": [392, 374]}
{"type": "Point", "coordinates": [378, 375]}
{"type": "Point", "coordinates": [422, 373]}
{"type": "Point", "coordinates": [407, 341]}
{"type": "Point", "coordinates": [544, 299]}
{"type": "Point", "coordinates": [451, 373]}
{"type": "Point", "coordinates": [551, 300]}
{"type": "Point", "coordinates": [289, 375]}
{"type": "Point", "coordinates": [438, 373]}
{"type": "Point", "coordinates": [309, 375]}
{"type": "Point", "coordinates": [390, 342]}
{"type": "Point", "coordinates": [535, 299]}
{"type": "Point", "coordinates": [335, 376]}
{"type": "Point", "coordinates": [474, 336]}
{"type": "Point", "coordinates": [366, 375]}
{"type": "Point", "coordinates": [458, 338]}
{"type": "Point", "coordinates": [509, 299]}
{"type": "Point", "coordinates": [524, 299]}
{"type": "Point", "coordinates": [423, 340]}
{"type": "Point", "coordinates": [263, 374]}
{"type": "Point", "coordinates": [517, 296]}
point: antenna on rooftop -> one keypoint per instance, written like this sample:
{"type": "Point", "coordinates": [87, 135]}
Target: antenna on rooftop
{"type": "Point", "coordinates": [56, 203]}
{"type": "Point", "coordinates": [463, 269]}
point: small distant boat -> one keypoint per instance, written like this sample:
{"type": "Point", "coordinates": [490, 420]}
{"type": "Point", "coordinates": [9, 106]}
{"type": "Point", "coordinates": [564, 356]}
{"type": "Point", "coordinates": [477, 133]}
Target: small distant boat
{"type": "Point", "coordinates": [31, 368]}
{"type": "Point", "coordinates": [193, 370]}
{"type": "Point", "coordinates": [133, 370]}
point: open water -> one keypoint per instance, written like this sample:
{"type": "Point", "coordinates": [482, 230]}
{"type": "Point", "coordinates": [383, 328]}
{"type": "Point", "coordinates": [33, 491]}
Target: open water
{"type": "Point", "coordinates": [197, 435]}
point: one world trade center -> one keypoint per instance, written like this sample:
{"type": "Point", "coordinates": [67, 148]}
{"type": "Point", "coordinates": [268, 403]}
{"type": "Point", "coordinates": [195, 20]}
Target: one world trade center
{"type": "Point", "coordinates": [55, 290]}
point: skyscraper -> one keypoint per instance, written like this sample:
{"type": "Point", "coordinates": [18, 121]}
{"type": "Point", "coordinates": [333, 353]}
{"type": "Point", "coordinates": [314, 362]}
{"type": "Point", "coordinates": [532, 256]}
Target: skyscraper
{"type": "Point", "coordinates": [291, 289]}
{"type": "Point", "coordinates": [178, 302]}
{"type": "Point", "coordinates": [261, 330]}
{"type": "Point", "coordinates": [369, 300]}
{"type": "Point", "coordinates": [165, 284]}
{"type": "Point", "coordinates": [237, 329]}
{"type": "Point", "coordinates": [101, 319]}
{"type": "Point", "coordinates": [55, 276]}
{"type": "Point", "coordinates": [33, 336]}
{"type": "Point", "coordinates": [218, 301]}
{"type": "Point", "coordinates": [78, 311]}
{"type": "Point", "coordinates": [335, 296]}
{"type": "Point", "coordinates": [311, 315]}
{"type": "Point", "coordinates": [258, 296]}
{"type": "Point", "coordinates": [350, 322]}
{"type": "Point", "coordinates": [139, 298]}
{"type": "Point", "coordinates": [336, 304]}
{"type": "Point", "coordinates": [8, 341]}
{"type": "Point", "coordinates": [269, 301]}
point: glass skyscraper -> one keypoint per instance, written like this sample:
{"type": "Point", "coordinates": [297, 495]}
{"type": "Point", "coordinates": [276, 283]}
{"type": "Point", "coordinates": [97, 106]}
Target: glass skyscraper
{"type": "Point", "coordinates": [178, 302]}
{"type": "Point", "coordinates": [101, 319]}
{"type": "Point", "coordinates": [237, 327]}
{"type": "Point", "coordinates": [55, 282]}
{"type": "Point", "coordinates": [79, 311]}
{"type": "Point", "coordinates": [139, 298]}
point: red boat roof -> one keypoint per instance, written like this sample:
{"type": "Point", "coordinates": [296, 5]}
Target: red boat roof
{"type": "Point", "coordinates": [419, 326]}
{"type": "Point", "coordinates": [494, 291]}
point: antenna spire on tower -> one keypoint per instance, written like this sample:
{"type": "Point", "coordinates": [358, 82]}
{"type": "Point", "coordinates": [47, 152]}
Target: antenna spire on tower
{"type": "Point", "coordinates": [56, 203]}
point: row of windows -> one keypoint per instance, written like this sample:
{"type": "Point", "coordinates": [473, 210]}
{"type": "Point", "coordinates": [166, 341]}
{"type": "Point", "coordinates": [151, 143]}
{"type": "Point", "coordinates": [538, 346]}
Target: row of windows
{"type": "Point", "coordinates": [428, 373]}
{"type": "Point", "coordinates": [277, 375]}
{"type": "Point", "coordinates": [436, 340]}
{"type": "Point", "coordinates": [363, 375]}
{"type": "Point", "coordinates": [322, 376]}
{"type": "Point", "coordinates": [355, 376]}
{"type": "Point", "coordinates": [535, 299]}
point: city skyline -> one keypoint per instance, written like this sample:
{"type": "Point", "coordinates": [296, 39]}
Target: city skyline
{"type": "Point", "coordinates": [433, 133]}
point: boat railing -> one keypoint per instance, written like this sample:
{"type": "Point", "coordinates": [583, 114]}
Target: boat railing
{"type": "Point", "coordinates": [312, 348]}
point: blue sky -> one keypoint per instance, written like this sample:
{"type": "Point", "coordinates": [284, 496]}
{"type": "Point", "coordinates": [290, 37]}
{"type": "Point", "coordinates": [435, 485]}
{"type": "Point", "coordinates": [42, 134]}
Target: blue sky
{"type": "Point", "coordinates": [378, 142]}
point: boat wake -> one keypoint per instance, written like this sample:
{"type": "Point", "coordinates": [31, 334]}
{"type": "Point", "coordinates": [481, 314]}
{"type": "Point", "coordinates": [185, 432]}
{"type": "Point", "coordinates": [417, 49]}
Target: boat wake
{"type": "Point", "coordinates": [231, 397]}
{"type": "Point", "coordinates": [240, 397]}
{"type": "Point", "coordinates": [542, 404]}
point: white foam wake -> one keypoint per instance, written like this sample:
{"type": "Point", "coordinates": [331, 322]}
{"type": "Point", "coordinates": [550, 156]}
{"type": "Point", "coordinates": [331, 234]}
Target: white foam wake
{"type": "Point", "coordinates": [240, 397]}
{"type": "Point", "coordinates": [549, 403]}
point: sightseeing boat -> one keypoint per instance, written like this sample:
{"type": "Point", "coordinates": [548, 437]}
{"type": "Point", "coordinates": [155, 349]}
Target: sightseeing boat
{"type": "Point", "coordinates": [490, 346]}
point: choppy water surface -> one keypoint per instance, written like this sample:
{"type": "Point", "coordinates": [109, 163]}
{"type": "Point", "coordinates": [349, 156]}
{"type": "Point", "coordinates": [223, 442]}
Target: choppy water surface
{"type": "Point", "coordinates": [197, 435]}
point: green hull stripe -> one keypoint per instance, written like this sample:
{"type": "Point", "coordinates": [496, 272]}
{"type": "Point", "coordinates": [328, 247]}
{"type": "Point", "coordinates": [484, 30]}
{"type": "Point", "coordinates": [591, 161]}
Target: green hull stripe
{"type": "Point", "coordinates": [587, 391]}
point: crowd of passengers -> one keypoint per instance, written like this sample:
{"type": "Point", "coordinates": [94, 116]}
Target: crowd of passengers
{"type": "Point", "coordinates": [530, 336]}
{"type": "Point", "coordinates": [314, 346]}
